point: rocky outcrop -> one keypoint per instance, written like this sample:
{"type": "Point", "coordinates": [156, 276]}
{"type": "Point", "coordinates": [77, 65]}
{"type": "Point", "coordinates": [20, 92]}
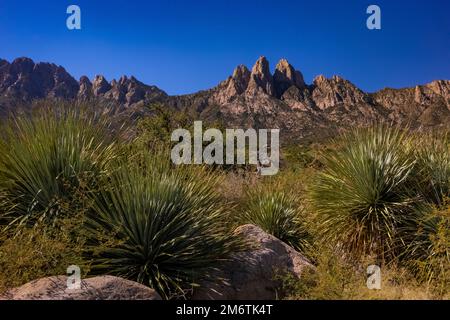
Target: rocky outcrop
{"type": "Point", "coordinates": [85, 91]}
{"type": "Point", "coordinates": [261, 80]}
{"type": "Point", "coordinates": [286, 76]}
{"type": "Point", "coordinates": [328, 93]}
{"type": "Point", "coordinates": [251, 274]}
{"type": "Point", "coordinates": [129, 91]}
{"type": "Point", "coordinates": [23, 79]}
{"type": "Point", "coordinates": [247, 98]}
{"type": "Point", "coordinates": [98, 288]}
{"type": "Point", "coordinates": [100, 86]}
{"type": "Point", "coordinates": [234, 86]}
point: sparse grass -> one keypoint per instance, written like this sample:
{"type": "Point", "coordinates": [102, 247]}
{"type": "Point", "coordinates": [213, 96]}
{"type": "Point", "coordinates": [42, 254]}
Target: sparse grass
{"type": "Point", "coordinates": [32, 253]}
{"type": "Point", "coordinates": [427, 253]}
{"type": "Point", "coordinates": [337, 279]}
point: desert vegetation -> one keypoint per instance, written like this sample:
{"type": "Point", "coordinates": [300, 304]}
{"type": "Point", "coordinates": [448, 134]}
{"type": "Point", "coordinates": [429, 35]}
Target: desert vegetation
{"type": "Point", "coordinates": [78, 189]}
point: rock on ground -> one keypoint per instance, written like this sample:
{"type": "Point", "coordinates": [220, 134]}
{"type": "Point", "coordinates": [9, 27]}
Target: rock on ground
{"type": "Point", "coordinates": [250, 274]}
{"type": "Point", "coordinates": [97, 288]}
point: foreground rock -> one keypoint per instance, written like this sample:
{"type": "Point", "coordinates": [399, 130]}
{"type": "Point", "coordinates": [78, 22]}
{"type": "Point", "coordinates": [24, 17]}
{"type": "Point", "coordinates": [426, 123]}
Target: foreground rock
{"type": "Point", "coordinates": [98, 288]}
{"type": "Point", "coordinates": [250, 274]}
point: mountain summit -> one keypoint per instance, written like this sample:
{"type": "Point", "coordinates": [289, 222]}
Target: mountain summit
{"type": "Point", "coordinates": [248, 98]}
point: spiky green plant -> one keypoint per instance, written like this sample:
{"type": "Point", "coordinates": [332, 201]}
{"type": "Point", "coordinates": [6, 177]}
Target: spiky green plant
{"type": "Point", "coordinates": [48, 157]}
{"type": "Point", "coordinates": [432, 172]}
{"type": "Point", "coordinates": [166, 225]}
{"type": "Point", "coordinates": [362, 195]}
{"type": "Point", "coordinates": [280, 215]}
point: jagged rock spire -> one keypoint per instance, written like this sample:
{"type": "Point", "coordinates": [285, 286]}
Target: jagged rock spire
{"type": "Point", "coordinates": [286, 76]}
{"type": "Point", "coordinates": [261, 79]}
{"type": "Point", "coordinates": [100, 85]}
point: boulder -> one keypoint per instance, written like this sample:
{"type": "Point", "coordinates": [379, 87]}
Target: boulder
{"type": "Point", "coordinates": [250, 275]}
{"type": "Point", "coordinates": [97, 288]}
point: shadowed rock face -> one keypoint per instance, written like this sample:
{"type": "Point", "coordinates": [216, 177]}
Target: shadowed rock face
{"type": "Point", "coordinates": [286, 76]}
{"type": "Point", "coordinates": [261, 80]}
{"type": "Point", "coordinates": [255, 98]}
{"type": "Point", "coordinates": [23, 79]}
{"type": "Point", "coordinates": [85, 91]}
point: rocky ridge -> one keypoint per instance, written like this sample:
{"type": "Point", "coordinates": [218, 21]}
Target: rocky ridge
{"type": "Point", "coordinates": [248, 98]}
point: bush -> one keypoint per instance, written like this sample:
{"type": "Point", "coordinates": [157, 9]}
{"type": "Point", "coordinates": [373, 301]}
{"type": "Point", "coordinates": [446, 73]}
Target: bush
{"type": "Point", "coordinates": [362, 194]}
{"type": "Point", "coordinates": [28, 254]}
{"type": "Point", "coordinates": [336, 278]}
{"type": "Point", "coordinates": [278, 214]}
{"type": "Point", "coordinates": [432, 171]}
{"type": "Point", "coordinates": [427, 253]}
{"type": "Point", "coordinates": [166, 225]}
{"type": "Point", "coordinates": [48, 158]}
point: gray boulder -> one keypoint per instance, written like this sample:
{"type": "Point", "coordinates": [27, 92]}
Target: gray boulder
{"type": "Point", "coordinates": [251, 274]}
{"type": "Point", "coordinates": [97, 288]}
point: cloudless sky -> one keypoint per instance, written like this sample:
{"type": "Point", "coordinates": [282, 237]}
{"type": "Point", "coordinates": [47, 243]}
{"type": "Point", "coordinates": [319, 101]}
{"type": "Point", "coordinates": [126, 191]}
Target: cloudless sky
{"type": "Point", "coordinates": [187, 45]}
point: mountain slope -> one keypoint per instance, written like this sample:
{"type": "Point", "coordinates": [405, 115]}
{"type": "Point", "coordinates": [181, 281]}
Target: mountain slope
{"type": "Point", "coordinates": [248, 98]}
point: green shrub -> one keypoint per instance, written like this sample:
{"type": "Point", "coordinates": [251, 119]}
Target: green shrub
{"type": "Point", "coordinates": [362, 194]}
{"type": "Point", "coordinates": [427, 250]}
{"type": "Point", "coordinates": [31, 253]}
{"type": "Point", "coordinates": [336, 278]}
{"type": "Point", "coordinates": [278, 214]}
{"type": "Point", "coordinates": [432, 171]}
{"type": "Point", "coordinates": [166, 224]}
{"type": "Point", "coordinates": [47, 158]}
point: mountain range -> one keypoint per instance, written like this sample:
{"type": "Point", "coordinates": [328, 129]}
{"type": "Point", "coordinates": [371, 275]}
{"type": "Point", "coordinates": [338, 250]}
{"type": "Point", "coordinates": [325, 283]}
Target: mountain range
{"type": "Point", "coordinates": [248, 98]}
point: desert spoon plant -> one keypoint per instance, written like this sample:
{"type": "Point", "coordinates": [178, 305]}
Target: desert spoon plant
{"type": "Point", "coordinates": [166, 224]}
{"type": "Point", "coordinates": [47, 158]}
{"type": "Point", "coordinates": [362, 195]}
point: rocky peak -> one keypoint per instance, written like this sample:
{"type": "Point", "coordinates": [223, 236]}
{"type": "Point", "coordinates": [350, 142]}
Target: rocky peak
{"type": "Point", "coordinates": [85, 88]}
{"type": "Point", "coordinates": [261, 79]}
{"type": "Point", "coordinates": [286, 76]}
{"type": "Point", "coordinates": [27, 80]}
{"type": "Point", "coordinates": [440, 87]}
{"type": "Point", "coordinates": [85, 81]}
{"type": "Point", "coordinates": [128, 91]}
{"type": "Point", "coordinates": [3, 62]}
{"type": "Point", "coordinates": [241, 78]}
{"type": "Point", "coordinates": [123, 80]}
{"type": "Point", "coordinates": [22, 65]}
{"type": "Point", "coordinates": [100, 85]}
{"type": "Point", "coordinates": [318, 80]}
{"type": "Point", "coordinates": [234, 85]}
{"type": "Point", "coordinates": [328, 93]}
{"type": "Point", "coordinates": [430, 92]}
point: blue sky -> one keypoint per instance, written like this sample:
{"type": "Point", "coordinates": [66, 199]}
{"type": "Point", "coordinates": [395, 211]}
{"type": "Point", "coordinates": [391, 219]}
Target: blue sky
{"type": "Point", "coordinates": [187, 45]}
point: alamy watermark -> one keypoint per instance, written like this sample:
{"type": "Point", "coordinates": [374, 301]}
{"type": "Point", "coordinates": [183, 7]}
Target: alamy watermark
{"type": "Point", "coordinates": [374, 20]}
{"type": "Point", "coordinates": [73, 277]}
{"type": "Point", "coordinates": [373, 277]}
{"type": "Point", "coordinates": [73, 22]}
{"type": "Point", "coordinates": [191, 150]}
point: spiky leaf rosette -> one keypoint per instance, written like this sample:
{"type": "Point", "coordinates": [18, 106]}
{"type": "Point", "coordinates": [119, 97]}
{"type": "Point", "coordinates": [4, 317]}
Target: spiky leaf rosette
{"type": "Point", "coordinates": [165, 227]}
{"type": "Point", "coordinates": [47, 158]}
{"type": "Point", "coordinates": [362, 195]}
